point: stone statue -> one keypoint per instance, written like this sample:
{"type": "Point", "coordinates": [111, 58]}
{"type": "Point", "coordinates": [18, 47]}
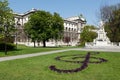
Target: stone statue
{"type": "Point", "coordinates": [101, 25]}
{"type": "Point", "coordinates": [102, 39]}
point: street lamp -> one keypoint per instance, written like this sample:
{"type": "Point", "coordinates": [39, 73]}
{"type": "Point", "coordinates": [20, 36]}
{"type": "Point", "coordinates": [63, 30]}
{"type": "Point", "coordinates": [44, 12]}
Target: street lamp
{"type": "Point", "coordinates": [6, 29]}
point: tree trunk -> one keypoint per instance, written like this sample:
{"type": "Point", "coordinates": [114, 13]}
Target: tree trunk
{"type": "Point", "coordinates": [38, 44]}
{"type": "Point", "coordinates": [44, 43]}
{"type": "Point", "coordinates": [34, 44]}
{"type": "Point", "coordinates": [56, 44]}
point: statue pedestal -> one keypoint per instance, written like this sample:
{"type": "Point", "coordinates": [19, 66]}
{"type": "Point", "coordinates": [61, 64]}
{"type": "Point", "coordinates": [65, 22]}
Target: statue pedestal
{"type": "Point", "coordinates": [102, 43]}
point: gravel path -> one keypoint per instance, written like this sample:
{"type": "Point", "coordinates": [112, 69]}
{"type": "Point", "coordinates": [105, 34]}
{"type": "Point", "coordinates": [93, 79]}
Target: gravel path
{"type": "Point", "coordinates": [51, 52]}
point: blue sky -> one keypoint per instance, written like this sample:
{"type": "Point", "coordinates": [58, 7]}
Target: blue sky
{"type": "Point", "coordinates": [66, 8]}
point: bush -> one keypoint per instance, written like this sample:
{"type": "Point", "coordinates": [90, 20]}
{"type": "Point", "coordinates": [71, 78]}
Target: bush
{"type": "Point", "coordinates": [10, 46]}
{"type": "Point", "coordinates": [9, 39]}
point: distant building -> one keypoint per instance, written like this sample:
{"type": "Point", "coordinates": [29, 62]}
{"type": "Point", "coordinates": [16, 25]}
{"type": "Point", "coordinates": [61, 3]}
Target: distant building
{"type": "Point", "coordinates": [72, 29]}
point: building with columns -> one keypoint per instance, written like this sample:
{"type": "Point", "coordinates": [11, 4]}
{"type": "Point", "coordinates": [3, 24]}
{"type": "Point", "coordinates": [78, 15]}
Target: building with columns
{"type": "Point", "coordinates": [72, 29]}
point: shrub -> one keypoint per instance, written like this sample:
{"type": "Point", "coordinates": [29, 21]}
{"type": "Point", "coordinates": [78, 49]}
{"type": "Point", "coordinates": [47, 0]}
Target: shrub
{"type": "Point", "coordinates": [10, 46]}
{"type": "Point", "coordinates": [9, 39]}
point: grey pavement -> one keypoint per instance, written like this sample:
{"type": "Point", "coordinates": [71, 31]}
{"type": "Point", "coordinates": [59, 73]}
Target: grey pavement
{"type": "Point", "coordinates": [56, 51]}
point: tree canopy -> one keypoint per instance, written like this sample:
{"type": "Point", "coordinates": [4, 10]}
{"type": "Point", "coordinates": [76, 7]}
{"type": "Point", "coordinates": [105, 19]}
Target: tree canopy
{"type": "Point", "coordinates": [88, 34]}
{"type": "Point", "coordinates": [57, 27]}
{"type": "Point", "coordinates": [6, 19]}
{"type": "Point", "coordinates": [43, 26]}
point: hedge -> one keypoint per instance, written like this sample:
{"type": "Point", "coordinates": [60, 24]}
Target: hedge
{"type": "Point", "coordinates": [10, 46]}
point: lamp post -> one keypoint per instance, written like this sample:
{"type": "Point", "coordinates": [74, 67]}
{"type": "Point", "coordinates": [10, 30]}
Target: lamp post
{"type": "Point", "coordinates": [6, 29]}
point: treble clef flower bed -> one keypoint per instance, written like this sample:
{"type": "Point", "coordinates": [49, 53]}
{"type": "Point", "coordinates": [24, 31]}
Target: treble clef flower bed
{"type": "Point", "coordinates": [84, 63]}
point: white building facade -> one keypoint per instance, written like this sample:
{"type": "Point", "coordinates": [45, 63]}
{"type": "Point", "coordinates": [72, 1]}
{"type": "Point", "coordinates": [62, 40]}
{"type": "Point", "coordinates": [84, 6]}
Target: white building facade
{"type": "Point", "coordinates": [71, 36]}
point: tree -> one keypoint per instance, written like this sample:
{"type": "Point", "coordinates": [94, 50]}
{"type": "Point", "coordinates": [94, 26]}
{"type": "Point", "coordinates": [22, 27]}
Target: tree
{"type": "Point", "coordinates": [111, 17]}
{"type": "Point", "coordinates": [43, 26]}
{"type": "Point", "coordinates": [88, 34]}
{"type": "Point", "coordinates": [39, 26]}
{"type": "Point", "coordinates": [6, 20]}
{"type": "Point", "coordinates": [57, 27]}
{"type": "Point", "coordinates": [6, 24]}
{"type": "Point", "coordinates": [30, 32]}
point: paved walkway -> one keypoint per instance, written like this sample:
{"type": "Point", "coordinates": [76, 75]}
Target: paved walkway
{"type": "Point", "coordinates": [51, 52]}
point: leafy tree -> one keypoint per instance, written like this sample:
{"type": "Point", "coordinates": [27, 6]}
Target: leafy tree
{"type": "Point", "coordinates": [57, 27]}
{"type": "Point", "coordinates": [111, 17]}
{"type": "Point", "coordinates": [31, 33]}
{"type": "Point", "coordinates": [6, 20]}
{"type": "Point", "coordinates": [43, 26]}
{"type": "Point", "coordinates": [88, 34]}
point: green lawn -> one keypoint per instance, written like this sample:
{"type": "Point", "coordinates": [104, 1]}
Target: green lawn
{"type": "Point", "coordinates": [37, 68]}
{"type": "Point", "coordinates": [21, 49]}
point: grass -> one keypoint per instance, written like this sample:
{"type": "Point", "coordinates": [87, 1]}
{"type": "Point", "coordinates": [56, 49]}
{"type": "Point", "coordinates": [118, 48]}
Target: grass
{"type": "Point", "coordinates": [21, 49]}
{"type": "Point", "coordinates": [37, 68]}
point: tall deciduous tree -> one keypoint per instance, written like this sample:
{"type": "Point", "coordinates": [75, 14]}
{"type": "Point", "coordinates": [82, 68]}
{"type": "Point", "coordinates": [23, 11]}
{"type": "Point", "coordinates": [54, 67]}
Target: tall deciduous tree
{"type": "Point", "coordinates": [57, 27]}
{"type": "Point", "coordinates": [6, 19]}
{"type": "Point", "coordinates": [39, 28]}
{"type": "Point", "coordinates": [43, 26]}
{"type": "Point", "coordinates": [111, 16]}
{"type": "Point", "coordinates": [88, 34]}
{"type": "Point", "coordinates": [31, 32]}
